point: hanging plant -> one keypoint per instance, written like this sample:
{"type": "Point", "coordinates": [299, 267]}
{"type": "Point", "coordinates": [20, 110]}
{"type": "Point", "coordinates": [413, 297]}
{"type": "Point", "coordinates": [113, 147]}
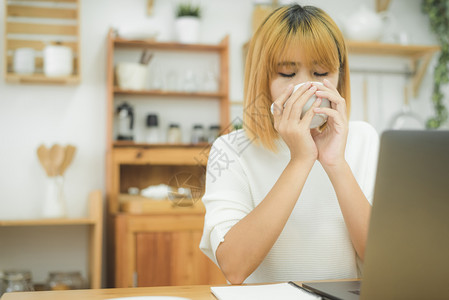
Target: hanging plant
{"type": "Point", "coordinates": [438, 13]}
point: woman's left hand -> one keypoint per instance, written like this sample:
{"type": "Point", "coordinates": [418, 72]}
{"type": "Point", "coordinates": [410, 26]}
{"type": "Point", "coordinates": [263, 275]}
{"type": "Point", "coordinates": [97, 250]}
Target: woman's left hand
{"type": "Point", "coordinates": [331, 141]}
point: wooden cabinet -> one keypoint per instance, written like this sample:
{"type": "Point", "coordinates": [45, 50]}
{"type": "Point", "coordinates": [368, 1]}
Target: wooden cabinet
{"type": "Point", "coordinates": [161, 248]}
{"type": "Point", "coordinates": [156, 242]}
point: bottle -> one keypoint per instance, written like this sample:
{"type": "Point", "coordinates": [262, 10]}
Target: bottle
{"type": "Point", "coordinates": [198, 134]}
{"type": "Point", "coordinates": [152, 129]}
{"type": "Point", "coordinates": [125, 122]}
{"type": "Point", "coordinates": [17, 281]}
{"type": "Point", "coordinates": [174, 135]}
{"type": "Point", "coordinates": [214, 132]}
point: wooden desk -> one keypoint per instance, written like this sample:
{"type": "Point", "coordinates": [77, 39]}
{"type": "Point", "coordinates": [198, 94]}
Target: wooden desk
{"type": "Point", "coordinates": [194, 292]}
{"type": "Point", "coordinates": [200, 292]}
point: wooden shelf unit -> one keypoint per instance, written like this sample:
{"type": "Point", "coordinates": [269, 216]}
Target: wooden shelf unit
{"type": "Point", "coordinates": [35, 33]}
{"type": "Point", "coordinates": [95, 223]}
{"type": "Point", "coordinates": [420, 56]}
{"type": "Point", "coordinates": [154, 242]}
{"type": "Point", "coordinates": [222, 95]}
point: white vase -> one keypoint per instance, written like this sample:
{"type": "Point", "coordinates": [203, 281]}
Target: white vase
{"type": "Point", "coordinates": [187, 29]}
{"type": "Point", "coordinates": [54, 202]}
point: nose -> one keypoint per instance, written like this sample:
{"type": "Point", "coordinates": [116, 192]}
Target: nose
{"type": "Point", "coordinates": [303, 76]}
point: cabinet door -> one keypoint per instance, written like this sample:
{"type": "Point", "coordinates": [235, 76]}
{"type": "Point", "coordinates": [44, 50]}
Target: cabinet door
{"type": "Point", "coordinates": [173, 258]}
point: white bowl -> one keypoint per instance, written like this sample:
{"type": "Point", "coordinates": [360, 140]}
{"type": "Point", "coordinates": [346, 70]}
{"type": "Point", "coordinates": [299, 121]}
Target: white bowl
{"type": "Point", "coordinates": [318, 119]}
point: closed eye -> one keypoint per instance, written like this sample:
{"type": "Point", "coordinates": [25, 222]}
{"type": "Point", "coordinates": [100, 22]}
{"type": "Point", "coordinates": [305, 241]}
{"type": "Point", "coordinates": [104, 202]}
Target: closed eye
{"type": "Point", "coordinates": [321, 74]}
{"type": "Point", "coordinates": [287, 75]}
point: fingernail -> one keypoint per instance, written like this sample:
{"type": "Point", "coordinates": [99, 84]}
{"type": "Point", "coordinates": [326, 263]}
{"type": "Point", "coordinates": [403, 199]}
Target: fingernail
{"type": "Point", "coordinates": [313, 88]}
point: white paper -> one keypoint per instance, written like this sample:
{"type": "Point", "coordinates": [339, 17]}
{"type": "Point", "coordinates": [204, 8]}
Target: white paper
{"type": "Point", "coordinates": [284, 291]}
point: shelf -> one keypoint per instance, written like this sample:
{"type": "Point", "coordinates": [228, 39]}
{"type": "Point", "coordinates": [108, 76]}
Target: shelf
{"type": "Point", "coordinates": [376, 48]}
{"type": "Point", "coordinates": [95, 222]}
{"type": "Point", "coordinates": [46, 222]}
{"type": "Point", "coordinates": [136, 204]}
{"type": "Point", "coordinates": [151, 44]}
{"type": "Point", "coordinates": [119, 91]}
{"type": "Point", "coordinates": [119, 144]}
{"type": "Point", "coordinates": [41, 78]}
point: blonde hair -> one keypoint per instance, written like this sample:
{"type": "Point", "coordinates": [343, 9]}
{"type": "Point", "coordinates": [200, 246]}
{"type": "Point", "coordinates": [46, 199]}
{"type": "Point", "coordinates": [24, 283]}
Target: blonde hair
{"type": "Point", "coordinates": [285, 31]}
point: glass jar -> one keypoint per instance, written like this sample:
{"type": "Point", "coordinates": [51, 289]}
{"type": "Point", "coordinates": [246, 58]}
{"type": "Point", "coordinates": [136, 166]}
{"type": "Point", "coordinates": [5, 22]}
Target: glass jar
{"type": "Point", "coordinates": [17, 281]}
{"type": "Point", "coordinates": [2, 283]}
{"type": "Point", "coordinates": [214, 132]}
{"type": "Point", "coordinates": [174, 135]}
{"type": "Point", "coordinates": [65, 281]}
{"type": "Point", "coordinates": [198, 134]}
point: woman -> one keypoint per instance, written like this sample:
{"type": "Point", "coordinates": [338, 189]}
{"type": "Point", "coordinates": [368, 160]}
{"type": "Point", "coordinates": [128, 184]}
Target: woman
{"type": "Point", "coordinates": [283, 201]}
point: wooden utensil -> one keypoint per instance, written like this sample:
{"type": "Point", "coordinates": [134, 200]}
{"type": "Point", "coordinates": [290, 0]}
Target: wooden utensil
{"type": "Point", "coordinates": [69, 153]}
{"type": "Point", "coordinates": [44, 158]}
{"type": "Point", "coordinates": [56, 158]}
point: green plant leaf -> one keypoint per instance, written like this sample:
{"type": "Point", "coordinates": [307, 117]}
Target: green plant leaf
{"type": "Point", "coordinates": [438, 14]}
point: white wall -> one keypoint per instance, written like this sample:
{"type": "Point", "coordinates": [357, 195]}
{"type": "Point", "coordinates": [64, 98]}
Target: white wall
{"type": "Point", "coordinates": [35, 114]}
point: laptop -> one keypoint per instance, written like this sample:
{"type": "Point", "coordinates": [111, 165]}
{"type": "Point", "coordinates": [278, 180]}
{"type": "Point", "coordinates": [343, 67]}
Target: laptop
{"type": "Point", "coordinates": [407, 251]}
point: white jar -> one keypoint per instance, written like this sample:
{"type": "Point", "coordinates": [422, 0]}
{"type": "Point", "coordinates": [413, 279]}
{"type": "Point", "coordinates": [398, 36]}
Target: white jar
{"type": "Point", "coordinates": [24, 61]}
{"type": "Point", "coordinates": [131, 76]}
{"type": "Point", "coordinates": [58, 61]}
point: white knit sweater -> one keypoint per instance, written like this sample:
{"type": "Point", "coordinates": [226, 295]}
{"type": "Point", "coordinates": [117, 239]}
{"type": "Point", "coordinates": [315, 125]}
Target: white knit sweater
{"type": "Point", "coordinates": [314, 243]}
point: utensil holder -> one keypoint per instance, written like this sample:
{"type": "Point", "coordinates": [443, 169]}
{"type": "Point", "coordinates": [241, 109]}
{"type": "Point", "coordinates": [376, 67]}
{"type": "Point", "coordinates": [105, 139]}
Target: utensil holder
{"type": "Point", "coordinates": [54, 202]}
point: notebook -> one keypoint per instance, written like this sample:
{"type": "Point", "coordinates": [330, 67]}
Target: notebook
{"type": "Point", "coordinates": [407, 252]}
{"type": "Point", "coordinates": [284, 291]}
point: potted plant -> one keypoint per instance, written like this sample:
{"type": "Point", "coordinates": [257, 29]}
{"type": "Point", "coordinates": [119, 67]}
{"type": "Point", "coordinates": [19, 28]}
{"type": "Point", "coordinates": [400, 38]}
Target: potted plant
{"type": "Point", "coordinates": [187, 23]}
{"type": "Point", "coordinates": [438, 13]}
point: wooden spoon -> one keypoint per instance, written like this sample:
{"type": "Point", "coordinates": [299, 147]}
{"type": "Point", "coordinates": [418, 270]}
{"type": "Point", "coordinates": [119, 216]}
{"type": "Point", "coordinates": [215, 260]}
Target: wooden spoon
{"type": "Point", "coordinates": [44, 158]}
{"type": "Point", "coordinates": [56, 159]}
{"type": "Point", "coordinates": [68, 157]}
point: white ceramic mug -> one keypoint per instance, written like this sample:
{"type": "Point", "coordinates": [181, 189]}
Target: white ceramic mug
{"type": "Point", "coordinates": [318, 119]}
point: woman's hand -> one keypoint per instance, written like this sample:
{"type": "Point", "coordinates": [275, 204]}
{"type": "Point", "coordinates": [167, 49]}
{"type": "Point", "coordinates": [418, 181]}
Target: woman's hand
{"type": "Point", "coordinates": [294, 130]}
{"type": "Point", "coordinates": [331, 141]}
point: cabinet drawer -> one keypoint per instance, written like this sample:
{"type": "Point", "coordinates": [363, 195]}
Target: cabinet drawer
{"type": "Point", "coordinates": [162, 155]}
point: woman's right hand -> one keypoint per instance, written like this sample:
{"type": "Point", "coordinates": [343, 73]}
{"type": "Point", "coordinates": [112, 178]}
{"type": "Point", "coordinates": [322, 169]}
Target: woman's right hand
{"type": "Point", "coordinates": [294, 130]}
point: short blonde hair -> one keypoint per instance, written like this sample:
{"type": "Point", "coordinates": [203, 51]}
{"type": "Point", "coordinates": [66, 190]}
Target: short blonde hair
{"type": "Point", "coordinates": [284, 31]}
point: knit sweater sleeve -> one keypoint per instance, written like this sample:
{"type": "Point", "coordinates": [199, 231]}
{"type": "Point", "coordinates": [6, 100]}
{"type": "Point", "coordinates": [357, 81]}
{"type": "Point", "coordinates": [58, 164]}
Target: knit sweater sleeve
{"type": "Point", "coordinates": [227, 197]}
